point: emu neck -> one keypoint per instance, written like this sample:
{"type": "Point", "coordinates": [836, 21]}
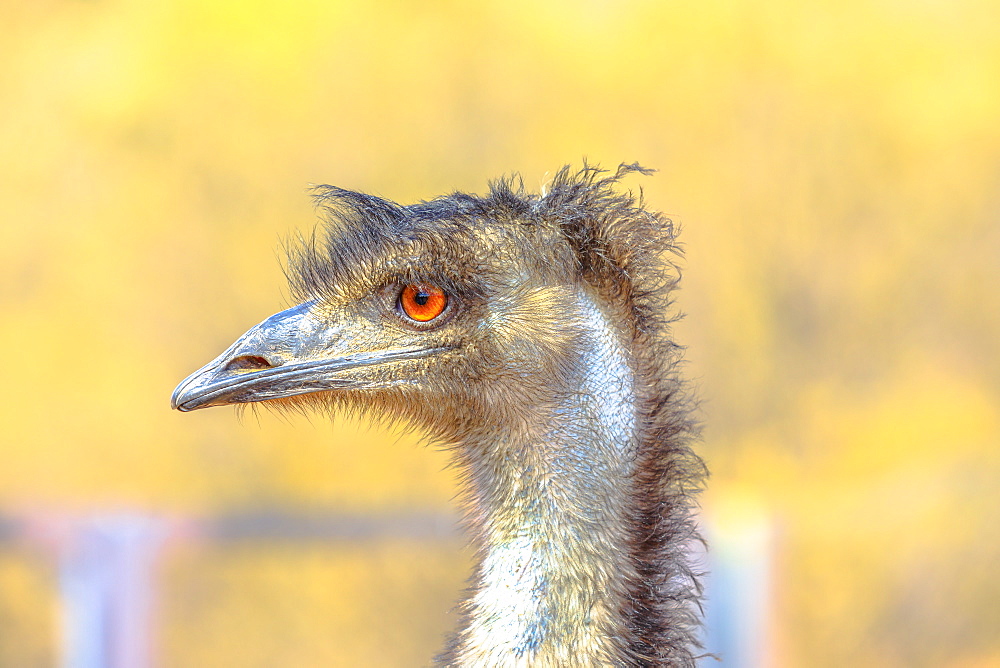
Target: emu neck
{"type": "Point", "coordinates": [553, 506]}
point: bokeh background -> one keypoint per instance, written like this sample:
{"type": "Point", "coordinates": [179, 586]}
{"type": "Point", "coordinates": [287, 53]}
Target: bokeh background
{"type": "Point", "coordinates": [836, 171]}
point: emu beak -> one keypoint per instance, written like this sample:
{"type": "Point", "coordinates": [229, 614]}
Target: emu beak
{"type": "Point", "coordinates": [292, 352]}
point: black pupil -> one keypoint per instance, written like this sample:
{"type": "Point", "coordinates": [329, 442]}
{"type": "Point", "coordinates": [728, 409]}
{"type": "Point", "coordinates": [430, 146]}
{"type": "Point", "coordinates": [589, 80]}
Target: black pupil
{"type": "Point", "coordinates": [421, 297]}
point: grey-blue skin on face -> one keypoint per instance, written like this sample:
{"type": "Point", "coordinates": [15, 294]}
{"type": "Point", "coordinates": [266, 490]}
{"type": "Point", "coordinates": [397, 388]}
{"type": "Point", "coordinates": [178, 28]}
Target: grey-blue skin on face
{"type": "Point", "coordinates": [531, 334]}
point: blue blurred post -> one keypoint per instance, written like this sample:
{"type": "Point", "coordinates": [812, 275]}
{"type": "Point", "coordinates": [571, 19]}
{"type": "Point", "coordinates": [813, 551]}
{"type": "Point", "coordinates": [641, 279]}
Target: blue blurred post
{"type": "Point", "coordinates": [738, 589]}
{"type": "Point", "coordinates": [106, 580]}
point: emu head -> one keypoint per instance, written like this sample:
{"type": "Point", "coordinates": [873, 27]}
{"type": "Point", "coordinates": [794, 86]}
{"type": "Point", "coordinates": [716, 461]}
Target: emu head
{"type": "Point", "coordinates": [461, 314]}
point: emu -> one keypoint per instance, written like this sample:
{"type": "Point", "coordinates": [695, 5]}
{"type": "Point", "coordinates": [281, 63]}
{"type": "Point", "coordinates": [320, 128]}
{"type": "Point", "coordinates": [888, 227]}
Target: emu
{"type": "Point", "coordinates": [530, 333]}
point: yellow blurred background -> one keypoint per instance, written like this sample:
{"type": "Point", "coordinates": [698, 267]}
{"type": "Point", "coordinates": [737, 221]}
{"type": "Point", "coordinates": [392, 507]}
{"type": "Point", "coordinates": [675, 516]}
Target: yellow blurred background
{"type": "Point", "coordinates": [836, 171]}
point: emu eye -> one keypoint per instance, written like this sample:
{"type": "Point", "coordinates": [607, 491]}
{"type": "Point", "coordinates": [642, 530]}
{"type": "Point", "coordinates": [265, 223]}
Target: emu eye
{"type": "Point", "coordinates": [423, 302]}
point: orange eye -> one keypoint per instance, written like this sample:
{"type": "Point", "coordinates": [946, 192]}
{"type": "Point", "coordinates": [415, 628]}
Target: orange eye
{"type": "Point", "coordinates": [423, 302]}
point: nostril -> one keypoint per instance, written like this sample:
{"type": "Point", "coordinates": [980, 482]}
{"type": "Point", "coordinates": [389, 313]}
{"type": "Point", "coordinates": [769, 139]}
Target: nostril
{"type": "Point", "coordinates": [248, 363]}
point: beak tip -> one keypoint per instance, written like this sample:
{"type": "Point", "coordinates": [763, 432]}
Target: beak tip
{"type": "Point", "coordinates": [179, 398]}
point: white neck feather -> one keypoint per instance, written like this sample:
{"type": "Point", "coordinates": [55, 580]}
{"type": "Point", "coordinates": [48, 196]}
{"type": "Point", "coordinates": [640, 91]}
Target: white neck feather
{"type": "Point", "coordinates": [551, 581]}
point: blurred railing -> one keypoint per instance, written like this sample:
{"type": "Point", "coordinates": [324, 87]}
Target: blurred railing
{"type": "Point", "coordinates": [108, 575]}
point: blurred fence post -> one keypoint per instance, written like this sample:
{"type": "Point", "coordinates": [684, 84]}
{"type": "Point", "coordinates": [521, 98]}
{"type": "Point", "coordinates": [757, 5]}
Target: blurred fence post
{"type": "Point", "coordinates": [106, 581]}
{"type": "Point", "coordinates": [738, 590]}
